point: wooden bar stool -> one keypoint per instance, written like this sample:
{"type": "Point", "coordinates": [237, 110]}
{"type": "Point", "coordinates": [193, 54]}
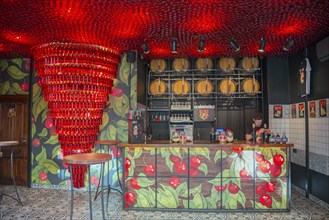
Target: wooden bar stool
{"type": "Point", "coordinates": [87, 159]}
{"type": "Point", "coordinates": [10, 144]}
{"type": "Point", "coordinates": [109, 143]}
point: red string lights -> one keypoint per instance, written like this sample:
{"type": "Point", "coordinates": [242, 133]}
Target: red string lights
{"type": "Point", "coordinates": [76, 80]}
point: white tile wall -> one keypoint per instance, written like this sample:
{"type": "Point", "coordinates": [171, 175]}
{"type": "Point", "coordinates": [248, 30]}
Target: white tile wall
{"type": "Point", "coordinates": [295, 130]}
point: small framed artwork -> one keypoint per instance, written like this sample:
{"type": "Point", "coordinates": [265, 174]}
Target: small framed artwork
{"type": "Point", "coordinates": [277, 113]}
{"type": "Point", "coordinates": [323, 108]}
{"type": "Point", "coordinates": [301, 110]}
{"type": "Point", "coordinates": [312, 109]}
{"type": "Point", "coordinates": [293, 111]}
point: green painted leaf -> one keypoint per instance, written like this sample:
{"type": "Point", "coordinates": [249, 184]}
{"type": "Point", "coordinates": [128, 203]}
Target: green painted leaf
{"type": "Point", "coordinates": [52, 140]}
{"type": "Point", "coordinates": [17, 61]}
{"type": "Point", "coordinates": [211, 204]}
{"type": "Point", "coordinates": [185, 203]}
{"type": "Point", "coordinates": [164, 152]}
{"type": "Point", "coordinates": [43, 133]}
{"type": "Point", "coordinates": [259, 206]}
{"type": "Point", "coordinates": [241, 198]}
{"type": "Point", "coordinates": [5, 88]}
{"type": "Point", "coordinates": [215, 195]}
{"type": "Point", "coordinates": [283, 194]}
{"type": "Point", "coordinates": [16, 73]}
{"type": "Point", "coordinates": [112, 131]}
{"type": "Point", "coordinates": [3, 65]}
{"type": "Point", "coordinates": [198, 202]}
{"type": "Point", "coordinates": [105, 120]}
{"type": "Point", "coordinates": [17, 89]}
{"type": "Point", "coordinates": [224, 154]}
{"type": "Point", "coordinates": [232, 204]}
{"type": "Point", "coordinates": [182, 189]}
{"type": "Point", "coordinates": [196, 190]}
{"type": "Point", "coordinates": [143, 198]}
{"type": "Point", "coordinates": [175, 151]}
{"type": "Point", "coordinates": [200, 151]}
{"type": "Point", "coordinates": [169, 164]}
{"type": "Point", "coordinates": [267, 152]}
{"type": "Point", "coordinates": [167, 197]}
{"type": "Point", "coordinates": [122, 123]}
{"type": "Point", "coordinates": [218, 155]}
{"type": "Point", "coordinates": [51, 166]}
{"type": "Point", "coordinates": [143, 181]}
{"type": "Point", "coordinates": [42, 105]}
{"type": "Point", "coordinates": [124, 71]}
{"type": "Point", "coordinates": [42, 156]}
{"type": "Point", "coordinates": [203, 167]}
{"type": "Point", "coordinates": [236, 166]}
{"type": "Point", "coordinates": [138, 152]}
{"type": "Point", "coordinates": [33, 129]}
{"type": "Point", "coordinates": [56, 151]}
{"type": "Point", "coordinates": [36, 91]}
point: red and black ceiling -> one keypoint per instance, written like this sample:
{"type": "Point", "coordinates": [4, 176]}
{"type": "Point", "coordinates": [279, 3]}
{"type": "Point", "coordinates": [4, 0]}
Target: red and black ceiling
{"type": "Point", "coordinates": [126, 24]}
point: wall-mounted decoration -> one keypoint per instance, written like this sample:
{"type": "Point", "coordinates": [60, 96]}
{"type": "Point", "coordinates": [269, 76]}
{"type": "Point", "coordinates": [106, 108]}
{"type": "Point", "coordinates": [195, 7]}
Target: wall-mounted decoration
{"type": "Point", "coordinates": [323, 108]}
{"type": "Point", "coordinates": [304, 78]}
{"type": "Point", "coordinates": [312, 109]}
{"type": "Point", "coordinates": [301, 108]}
{"type": "Point", "coordinates": [293, 111]}
{"type": "Point", "coordinates": [277, 111]}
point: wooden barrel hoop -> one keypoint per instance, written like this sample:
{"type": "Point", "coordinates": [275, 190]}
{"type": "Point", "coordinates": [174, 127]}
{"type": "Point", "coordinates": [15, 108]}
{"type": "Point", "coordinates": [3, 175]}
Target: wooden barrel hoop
{"type": "Point", "coordinates": [158, 65]}
{"type": "Point", "coordinates": [227, 86]}
{"type": "Point", "coordinates": [204, 87]}
{"type": "Point", "coordinates": [204, 64]}
{"type": "Point", "coordinates": [181, 64]}
{"type": "Point", "coordinates": [158, 87]}
{"type": "Point", "coordinates": [181, 87]}
{"type": "Point", "coordinates": [227, 64]}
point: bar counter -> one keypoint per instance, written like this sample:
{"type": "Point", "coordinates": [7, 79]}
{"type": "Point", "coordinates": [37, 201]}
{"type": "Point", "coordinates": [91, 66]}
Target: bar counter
{"type": "Point", "coordinates": [203, 176]}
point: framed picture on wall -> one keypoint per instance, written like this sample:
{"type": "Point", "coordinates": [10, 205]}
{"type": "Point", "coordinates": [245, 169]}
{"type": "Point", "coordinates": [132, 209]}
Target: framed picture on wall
{"type": "Point", "coordinates": [277, 113]}
{"type": "Point", "coordinates": [312, 109]}
{"type": "Point", "coordinates": [323, 108]}
{"type": "Point", "coordinates": [293, 111]}
{"type": "Point", "coordinates": [301, 110]}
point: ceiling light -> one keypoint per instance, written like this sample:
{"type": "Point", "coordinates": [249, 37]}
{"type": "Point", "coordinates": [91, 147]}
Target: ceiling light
{"type": "Point", "coordinates": [201, 45]}
{"type": "Point", "coordinates": [145, 48]}
{"type": "Point", "coordinates": [234, 45]}
{"type": "Point", "coordinates": [262, 45]}
{"type": "Point", "coordinates": [174, 46]}
{"type": "Point", "coordinates": [288, 45]}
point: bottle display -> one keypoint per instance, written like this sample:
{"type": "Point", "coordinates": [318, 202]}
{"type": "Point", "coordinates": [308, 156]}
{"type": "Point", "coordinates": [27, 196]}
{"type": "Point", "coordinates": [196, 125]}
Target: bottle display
{"type": "Point", "coordinates": [212, 135]}
{"type": "Point", "coordinates": [284, 138]}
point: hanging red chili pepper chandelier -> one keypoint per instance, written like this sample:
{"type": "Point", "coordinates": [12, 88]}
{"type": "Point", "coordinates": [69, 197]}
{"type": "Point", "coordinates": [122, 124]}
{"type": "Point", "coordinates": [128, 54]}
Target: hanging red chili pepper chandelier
{"type": "Point", "coordinates": [76, 79]}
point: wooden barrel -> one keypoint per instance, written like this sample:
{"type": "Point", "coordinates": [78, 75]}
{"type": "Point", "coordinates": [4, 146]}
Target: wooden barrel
{"type": "Point", "coordinates": [250, 64]}
{"type": "Point", "coordinates": [158, 87]}
{"type": "Point", "coordinates": [158, 65]}
{"type": "Point", "coordinates": [180, 64]}
{"type": "Point", "coordinates": [204, 64]}
{"type": "Point", "coordinates": [227, 64]}
{"type": "Point", "coordinates": [227, 86]}
{"type": "Point", "coordinates": [204, 87]}
{"type": "Point", "coordinates": [181, 87]}
{"type": "Point", "coordinates": [250, 85]}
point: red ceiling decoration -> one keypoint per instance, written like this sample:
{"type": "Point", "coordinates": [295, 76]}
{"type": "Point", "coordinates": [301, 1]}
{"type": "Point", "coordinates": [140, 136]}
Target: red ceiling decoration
{"type": "Point", "coordinates": [125, 25]}
{"type": "Point", "coordinates": [76, 80]}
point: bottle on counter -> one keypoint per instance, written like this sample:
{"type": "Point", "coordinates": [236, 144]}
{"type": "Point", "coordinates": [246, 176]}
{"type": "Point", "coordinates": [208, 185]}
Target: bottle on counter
{"type": "Point", "coordinates": [265, 135]}
{"type": "Point", "coordinates": [277, 138]}
{"type": "Point", "coordinates": [284, 138]}
{"type": "Point", "coordinates": [212, 135]}
{"type": "Point", "coordinates": [271, 138]}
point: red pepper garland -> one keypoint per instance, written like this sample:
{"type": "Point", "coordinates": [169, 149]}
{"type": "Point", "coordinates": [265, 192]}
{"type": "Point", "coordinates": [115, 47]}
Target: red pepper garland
{"type": "Point", "coordinates": [76, 80]}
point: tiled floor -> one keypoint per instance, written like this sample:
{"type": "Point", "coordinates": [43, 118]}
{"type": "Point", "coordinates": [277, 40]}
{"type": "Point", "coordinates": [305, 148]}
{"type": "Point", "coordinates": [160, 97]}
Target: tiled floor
{"type": "Point", "coordinates": [55, 203]}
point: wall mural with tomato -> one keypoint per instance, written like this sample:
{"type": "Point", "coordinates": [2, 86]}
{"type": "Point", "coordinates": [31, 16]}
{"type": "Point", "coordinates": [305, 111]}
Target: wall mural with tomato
{"type": "Point", "coordinates": [15, 76]}
{"type": "Point", "coordinates": [216, 178]}
{"type": "Point", "coordinates": [48, 168]}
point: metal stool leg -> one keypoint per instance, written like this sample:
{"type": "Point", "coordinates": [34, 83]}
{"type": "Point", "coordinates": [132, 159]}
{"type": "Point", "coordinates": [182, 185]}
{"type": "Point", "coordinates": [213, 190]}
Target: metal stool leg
{"type": "Point", "coordinates": [72, 195]}
{"type": "Point", "coordinates": [102, 194]}
{"type": "Point", "coordinates": [13, 176]}
{"type": "Point", "coordinates": [89, 189]}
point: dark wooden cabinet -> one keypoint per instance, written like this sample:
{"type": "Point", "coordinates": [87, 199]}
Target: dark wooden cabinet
{"type": "Point", "coordinates": [14, 127]}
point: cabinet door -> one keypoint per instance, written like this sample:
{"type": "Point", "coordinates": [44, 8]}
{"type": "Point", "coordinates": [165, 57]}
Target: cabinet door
{"type": "Point", "coordinates": [14, 127]}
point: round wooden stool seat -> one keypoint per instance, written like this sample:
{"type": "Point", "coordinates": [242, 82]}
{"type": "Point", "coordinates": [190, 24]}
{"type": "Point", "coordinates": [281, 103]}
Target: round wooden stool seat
{"type": "Point", "coordinates": [87, 158]}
